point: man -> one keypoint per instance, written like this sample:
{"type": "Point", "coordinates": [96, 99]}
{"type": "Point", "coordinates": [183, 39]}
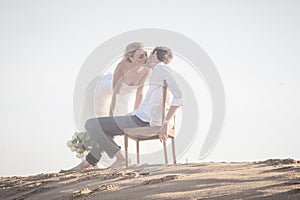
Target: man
{"type": "Point", "coordinates": [103, 129]}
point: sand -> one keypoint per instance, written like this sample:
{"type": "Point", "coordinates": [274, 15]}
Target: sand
{"type": "Point", "coordinates": [270, 179]}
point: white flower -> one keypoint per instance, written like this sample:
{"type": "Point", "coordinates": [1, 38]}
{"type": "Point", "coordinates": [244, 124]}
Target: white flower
{"type": "Point", "coordinates": [87, 137]}
{"type": "Point", "coordinates": [78, 150]}
{"type": "Point", "coordinates": [79, 155]}
{"type": "Point", "coordinates": [69, 143]}
{"type": "Point", "coordinates": [79, 143]}
{"type": "Point", "coordinates": [73, 148]}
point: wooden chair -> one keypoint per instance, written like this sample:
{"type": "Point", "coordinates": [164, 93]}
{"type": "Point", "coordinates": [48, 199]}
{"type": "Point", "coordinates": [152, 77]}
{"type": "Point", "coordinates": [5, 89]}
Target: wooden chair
{"type": "Point", "coordinates": [150, 133]}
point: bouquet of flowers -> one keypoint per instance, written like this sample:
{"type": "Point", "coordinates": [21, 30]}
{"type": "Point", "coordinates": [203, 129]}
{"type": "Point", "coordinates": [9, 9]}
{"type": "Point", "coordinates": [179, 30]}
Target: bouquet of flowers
{"type": "Point", "coordinates": [80, 143]}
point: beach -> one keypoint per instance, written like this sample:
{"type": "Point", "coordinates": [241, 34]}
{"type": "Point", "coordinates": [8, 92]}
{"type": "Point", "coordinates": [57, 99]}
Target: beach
{"type": "Point", "coordinates": [269, 179]}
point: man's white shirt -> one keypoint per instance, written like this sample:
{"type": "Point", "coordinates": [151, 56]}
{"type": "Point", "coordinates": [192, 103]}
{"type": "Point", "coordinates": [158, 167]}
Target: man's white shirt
{"type": "Point", "coordinates": [151, 108]}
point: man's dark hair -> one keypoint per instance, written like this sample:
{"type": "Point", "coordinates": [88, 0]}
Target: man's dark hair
{"type": "Point", "coordinates": [164, 54]}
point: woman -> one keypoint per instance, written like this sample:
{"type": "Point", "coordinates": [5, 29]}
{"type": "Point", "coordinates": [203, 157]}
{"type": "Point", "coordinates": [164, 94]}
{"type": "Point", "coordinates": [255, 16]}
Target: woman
{"type": "Point", "coordinates": [112, 94]}
{"type": "Point", "coordinates": [129, 76]}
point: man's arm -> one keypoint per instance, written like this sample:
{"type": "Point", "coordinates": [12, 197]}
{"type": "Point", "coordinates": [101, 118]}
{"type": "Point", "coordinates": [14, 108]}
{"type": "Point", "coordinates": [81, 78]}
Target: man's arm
{"type": "Point", "coordinates": [163, 136]}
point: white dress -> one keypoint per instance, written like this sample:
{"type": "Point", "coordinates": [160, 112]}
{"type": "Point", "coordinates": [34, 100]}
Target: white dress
{"type": "Point", "coordinates": [97, 98]}
{"type": "Point", "coordinates": [125, 99]}
{"type": "Point", "coordinates": [96, 103]}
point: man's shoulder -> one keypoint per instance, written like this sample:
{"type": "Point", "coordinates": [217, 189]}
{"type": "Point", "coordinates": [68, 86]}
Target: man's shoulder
{"type": "Point", "coordinates": [161, 67]}
{"type": "Point", "coordinates": [161, 64]}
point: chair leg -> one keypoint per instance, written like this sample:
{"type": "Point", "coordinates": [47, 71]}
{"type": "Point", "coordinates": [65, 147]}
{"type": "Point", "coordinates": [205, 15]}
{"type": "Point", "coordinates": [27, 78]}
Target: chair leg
{"type": "Point", "coordinates": [165, 151]}
{"type": "Point", "coordinates": [126, 149]}
{"type": "Point", "coordinates": [138, 152]}
{"type": "Point", "coordinates": [173, 151]}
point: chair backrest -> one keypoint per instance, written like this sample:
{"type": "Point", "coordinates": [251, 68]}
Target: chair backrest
{"type": "Point", "coordinates": [165, 91]}
{"type": "Point", "coordinates": [165, 85]}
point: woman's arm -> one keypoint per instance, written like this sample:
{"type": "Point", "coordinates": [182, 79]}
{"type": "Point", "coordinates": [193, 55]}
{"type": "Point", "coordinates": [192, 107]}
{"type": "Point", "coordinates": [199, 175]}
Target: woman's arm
{"type": "Point", "coordinates": [118, 73]}
{"type": "Point", "coordinates": [139, 97]}
{"type": "Point", "coordinates": [140, 90]}
{"type": "Point", "coordinates": [116, 84]}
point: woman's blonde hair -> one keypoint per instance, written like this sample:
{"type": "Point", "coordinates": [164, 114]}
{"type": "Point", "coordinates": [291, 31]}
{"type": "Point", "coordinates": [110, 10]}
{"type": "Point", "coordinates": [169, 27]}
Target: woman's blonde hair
{"type": "Point", "coordinates": [132, 48]}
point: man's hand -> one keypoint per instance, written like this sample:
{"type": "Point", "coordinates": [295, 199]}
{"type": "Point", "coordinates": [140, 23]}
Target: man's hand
{"type": "Point", "coordinates": [163, 133]}
{"type": "Point", "coordinates": [163, 136]}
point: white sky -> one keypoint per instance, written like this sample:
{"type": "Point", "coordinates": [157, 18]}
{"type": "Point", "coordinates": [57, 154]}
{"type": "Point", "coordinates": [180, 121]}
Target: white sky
{"type": "Point", "coordinates": [254, 44]}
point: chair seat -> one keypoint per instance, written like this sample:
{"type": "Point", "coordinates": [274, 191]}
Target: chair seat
{"type": "Point", "coordinates": [146, 133]}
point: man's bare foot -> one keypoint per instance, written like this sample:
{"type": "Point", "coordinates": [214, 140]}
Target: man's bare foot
{"type": "Point", "coordinates": [120, 162]}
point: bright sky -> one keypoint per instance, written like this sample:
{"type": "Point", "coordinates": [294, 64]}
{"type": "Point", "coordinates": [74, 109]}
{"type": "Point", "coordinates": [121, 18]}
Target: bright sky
{"type": "Point", "coordinates": [254, 45]}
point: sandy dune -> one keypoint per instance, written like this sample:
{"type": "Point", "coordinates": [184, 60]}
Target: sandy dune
{"type": "Point", "coordinates": [270, 179]}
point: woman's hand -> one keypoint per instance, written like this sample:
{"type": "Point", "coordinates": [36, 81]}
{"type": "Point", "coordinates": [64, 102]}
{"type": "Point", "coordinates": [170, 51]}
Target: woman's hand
{"type": "Point", "coordinates": [110, 113]}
